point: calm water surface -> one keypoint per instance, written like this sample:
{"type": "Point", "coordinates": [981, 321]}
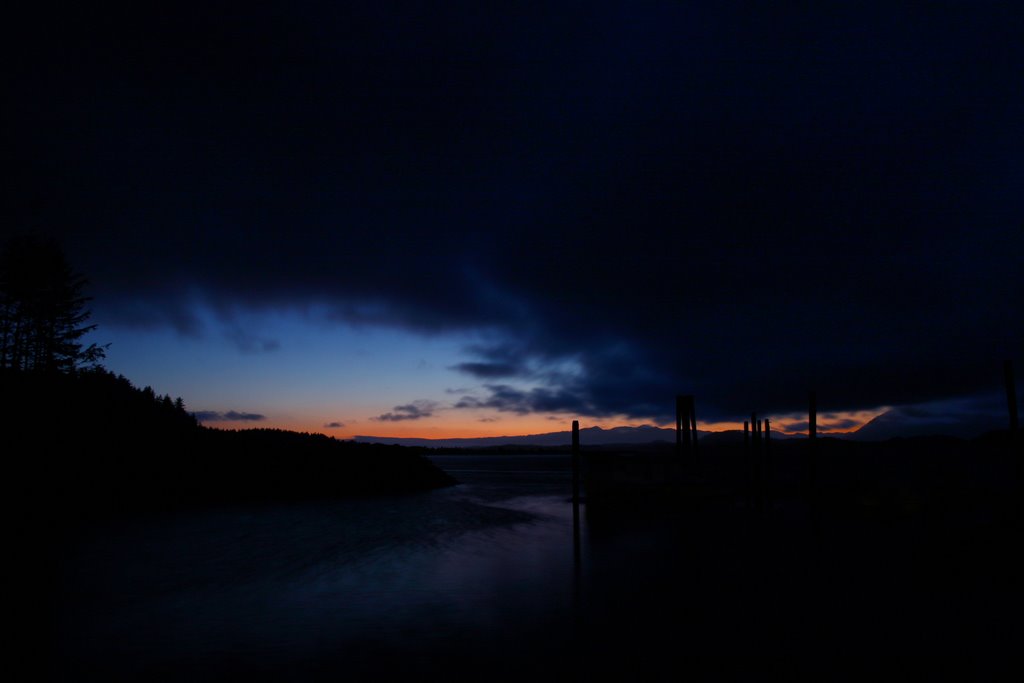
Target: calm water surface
{"type": "Point", "coordinates": [385, 585]}
{"type": "Point", "coordinates": [478, 582]}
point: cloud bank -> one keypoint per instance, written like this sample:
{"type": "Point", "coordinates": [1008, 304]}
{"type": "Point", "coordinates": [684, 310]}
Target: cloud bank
{"type": "Point", "coordinates": [716, 199]}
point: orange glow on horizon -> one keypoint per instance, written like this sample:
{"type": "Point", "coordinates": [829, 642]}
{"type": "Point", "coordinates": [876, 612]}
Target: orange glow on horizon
{"type": "Point", "coordinates": [447, 425]}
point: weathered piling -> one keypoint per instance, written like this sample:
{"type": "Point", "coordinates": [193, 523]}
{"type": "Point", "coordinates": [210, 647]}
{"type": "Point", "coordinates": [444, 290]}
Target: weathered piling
{"type": "Point", "coordinates": [686, 423]}
{"type": "Point", "coordinates": [812, 415]}
{"type": "Point", "coordinates": [575, 463]}
{"type": "Point", "coordinates": [754, 458]}
{"type": "Point", "coordinates": [679, 426]}
{"type": "Point", "coordinates": [1011, 395]}
{"type": "Point", "coordinates": [748, 460]}
{"type": "Point", "coordinates": [812, 436]}
{"type": "Point", "coordinates": [1015, 436]}
{"type": "Point", "coordinates": [576, 551]}
{"type": "Point", "coordinates": [686, 426]}
{"type": "Point", "coordinates": [757, 458]}
{"type": "Point", "coordinates": [769, 474]}
{"type": "Point", "coordinates": [693, 427]}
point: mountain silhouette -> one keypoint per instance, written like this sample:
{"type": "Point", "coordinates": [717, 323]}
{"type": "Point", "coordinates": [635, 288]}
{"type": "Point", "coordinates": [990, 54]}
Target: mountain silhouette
{"type": "Point", "coordinates": [589, 436]}
{"type": "Point", "coordinates": [910, 421]}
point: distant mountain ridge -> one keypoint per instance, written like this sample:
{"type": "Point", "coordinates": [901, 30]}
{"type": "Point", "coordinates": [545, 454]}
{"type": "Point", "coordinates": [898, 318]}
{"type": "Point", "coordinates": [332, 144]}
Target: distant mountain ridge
{"type": "Point", "coordinates": [897, 422]}
{"type": "Point", "coordinates": [911, 421]}
{"type": "Point", "coordinates": [589, 436]}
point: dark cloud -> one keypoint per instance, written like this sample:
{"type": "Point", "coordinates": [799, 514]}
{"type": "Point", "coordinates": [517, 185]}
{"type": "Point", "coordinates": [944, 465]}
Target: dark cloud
{"type": "Point", "coordinates": [735, 202]}
{"type": "Point", "coordinates": [417, 410]}
{"type": "Point", "coordinates": [510, 399]}
{"type": "Point", "coordinates": [334, 425]}
{"type": "Point", "coordinates": [229, 416]}
{"type": "Point", "coordinates": [488, 370]}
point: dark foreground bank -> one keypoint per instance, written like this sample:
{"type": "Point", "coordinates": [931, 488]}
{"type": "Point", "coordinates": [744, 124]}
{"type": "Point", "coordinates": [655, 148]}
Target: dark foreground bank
{"type": "Point", "coordinates": [89, 444]}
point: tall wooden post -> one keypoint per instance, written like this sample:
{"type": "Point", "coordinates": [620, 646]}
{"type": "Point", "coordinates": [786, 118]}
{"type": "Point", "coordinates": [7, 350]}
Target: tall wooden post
{"type": "Point", "coordinates": [1011, 394]}
{"type": "Point", "coordinates": [812, 437]}
{"type": "Point", "coordinates": [679, 426]}
{"type": "Point", "coordinates": [575, 465]}
{"type": "Point", "coordinates": [576, 552]}
{"type": "Point", "coordinates": [755, 456]}
{"type": "Point", "coordinates": [812, 415]}
{"type": "Point", "coordinates": [1015, 437]}
{"type": "Point", "coordinates": [748, 461]}
{"type": "Point", "coordinates": [693, 428]}
{"type": "Point", "coordinates": [685, 416]}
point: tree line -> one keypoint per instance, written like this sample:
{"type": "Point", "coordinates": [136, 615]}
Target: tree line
{"type": "Point", "coordinates": [43, 310]}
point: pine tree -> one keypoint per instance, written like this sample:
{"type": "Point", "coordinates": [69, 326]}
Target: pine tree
{"type": "Point", "coordinates": [43, 310]}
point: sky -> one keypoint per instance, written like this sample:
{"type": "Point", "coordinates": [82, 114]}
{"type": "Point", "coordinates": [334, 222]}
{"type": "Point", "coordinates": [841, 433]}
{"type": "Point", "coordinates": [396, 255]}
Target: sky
{"type": "Point", "coordinates": [455, 219]}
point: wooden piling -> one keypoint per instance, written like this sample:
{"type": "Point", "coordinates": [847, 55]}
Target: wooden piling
{"type": "Point", "coordinates": [1015, 436]}
{"type": "Point", "coordinates": [748, 459]}
{"type": "Point", "coordinates": [812, 436]}
{"type": "Point", "coordinates": [576, 550]}
{"type": "Point", "coordinates": [575, 465]}
{"type": "Point", "coordinates": [812, 415]}
{"type": "Point", "coordinates": [693, 428]}
{"type": "Point", "coordinates": [686, 423]}
{"type": "Point", "coordinates": [1011, 395]}
{"type": "Point", "coordinates": [755, 456]}
{"type": "Point", "coordinates": [679, 426]}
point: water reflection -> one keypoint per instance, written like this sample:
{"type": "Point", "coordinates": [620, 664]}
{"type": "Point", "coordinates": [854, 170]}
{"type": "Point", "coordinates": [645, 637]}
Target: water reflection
{"type": "Point", "coordinates": [361, 585]}
{"type": "Point", "coordinates": [477, 581]}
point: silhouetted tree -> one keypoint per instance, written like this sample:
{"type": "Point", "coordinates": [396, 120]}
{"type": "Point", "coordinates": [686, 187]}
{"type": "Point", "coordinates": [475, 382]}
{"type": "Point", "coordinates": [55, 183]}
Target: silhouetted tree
{"type": "Point", "coordinates": [42, 310]}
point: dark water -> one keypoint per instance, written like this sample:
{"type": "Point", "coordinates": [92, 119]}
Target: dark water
{"type": "Point", "coordinates": [478, 582]}
{"type": "Point", "coordinates": [442, 580]}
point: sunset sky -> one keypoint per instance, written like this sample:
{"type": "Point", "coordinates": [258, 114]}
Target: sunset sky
{"type": "Point", "coordinates": [444, 219]}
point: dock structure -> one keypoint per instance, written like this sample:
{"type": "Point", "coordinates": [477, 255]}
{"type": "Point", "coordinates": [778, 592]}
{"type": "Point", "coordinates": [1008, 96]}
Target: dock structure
{"type": "Point", "coordinates": [686, 426]}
